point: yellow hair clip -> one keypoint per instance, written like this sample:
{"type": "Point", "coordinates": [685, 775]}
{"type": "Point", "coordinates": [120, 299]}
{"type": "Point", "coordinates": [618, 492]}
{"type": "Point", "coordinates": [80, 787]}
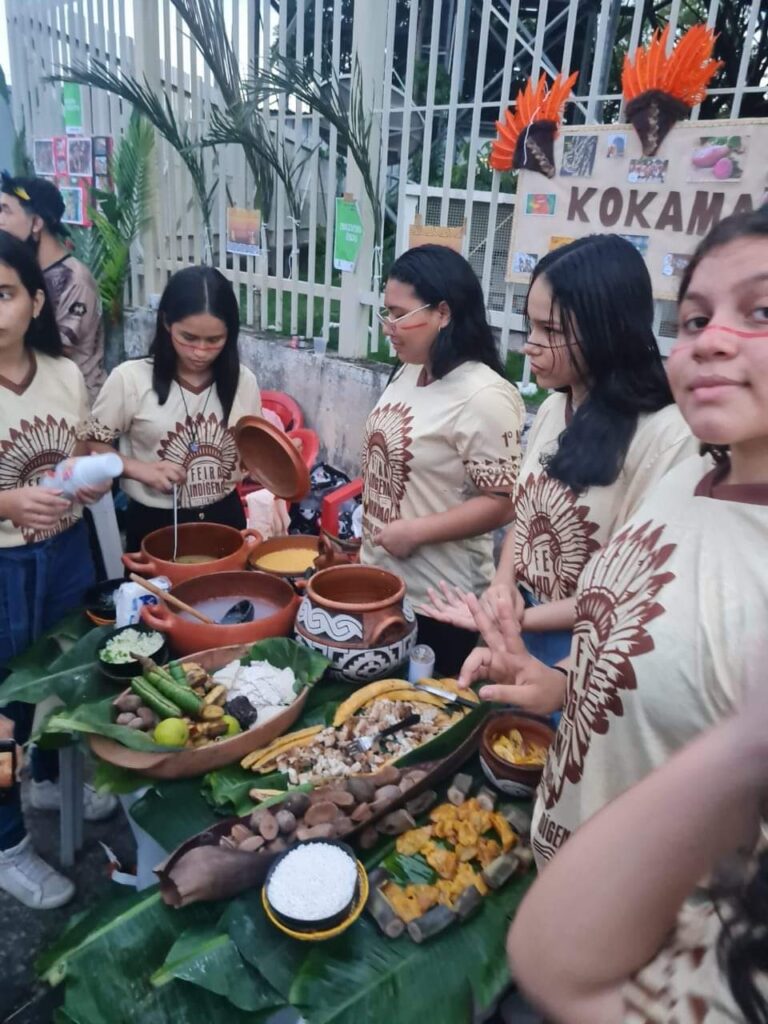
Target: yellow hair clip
{"type": "Point", "coordinates": [22, 193]}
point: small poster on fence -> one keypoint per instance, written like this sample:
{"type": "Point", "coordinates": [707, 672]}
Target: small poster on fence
{"type": "Point", "coordinates": [243, 231]}
{"type": "Point", "coordinates": [436, 234]}
{"type": "Point", "coordinates": [348, 236]}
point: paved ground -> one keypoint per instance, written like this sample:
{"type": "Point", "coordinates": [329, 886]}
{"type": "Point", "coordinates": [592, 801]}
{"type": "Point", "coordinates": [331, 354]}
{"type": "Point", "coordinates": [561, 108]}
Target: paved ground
{"type": "Point", "coordinates": [26, 933]}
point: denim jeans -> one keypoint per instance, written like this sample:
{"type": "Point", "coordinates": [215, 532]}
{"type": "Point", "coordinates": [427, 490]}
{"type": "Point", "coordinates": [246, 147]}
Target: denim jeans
{"type": "Point", "coordinates": [39, 584]}
{"type": "Point", "coordinates": [549, 647]}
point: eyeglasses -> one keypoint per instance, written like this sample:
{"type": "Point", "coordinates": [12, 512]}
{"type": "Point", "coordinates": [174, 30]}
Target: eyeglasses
{"type": "Point", "coordinates": [392, 321]}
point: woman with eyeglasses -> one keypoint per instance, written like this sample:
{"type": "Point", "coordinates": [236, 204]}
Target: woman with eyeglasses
{"type": "Point", "coordinates": [442, 446]}
{"type": "Point", "coordinates": [173, 412]}
{"type": "Point", "coordinates": [597, 445]}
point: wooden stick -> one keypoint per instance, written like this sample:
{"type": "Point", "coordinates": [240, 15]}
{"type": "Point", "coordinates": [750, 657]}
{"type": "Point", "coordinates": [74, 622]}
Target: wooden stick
{"type": "Point", "coordinates": [170, 599]}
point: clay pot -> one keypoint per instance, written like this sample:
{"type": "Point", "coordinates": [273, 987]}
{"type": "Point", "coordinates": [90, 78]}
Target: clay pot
{"type": "Point", "coordinates": [229, 547]}
{"type": "Point", "coordinates": [186, 635]}
{"type": "Point", "coordinates": [519, 780]}
{"type": "Point", "coordinates": [268, 547]}
{"type": "Point", "coordinates": [359, 618]}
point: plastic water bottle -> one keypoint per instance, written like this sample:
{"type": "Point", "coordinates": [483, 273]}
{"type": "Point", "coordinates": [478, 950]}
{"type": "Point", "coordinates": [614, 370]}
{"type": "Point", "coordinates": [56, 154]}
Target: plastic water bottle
{"type": "Point", "coordinates": [83, 471]}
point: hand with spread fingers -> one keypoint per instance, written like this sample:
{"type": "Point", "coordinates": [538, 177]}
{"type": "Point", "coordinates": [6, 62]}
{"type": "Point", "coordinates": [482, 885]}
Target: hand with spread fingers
{"type": "Point", "coordinates": [516, 677]}
{"type": "Point", "coordinates": [448, 605]}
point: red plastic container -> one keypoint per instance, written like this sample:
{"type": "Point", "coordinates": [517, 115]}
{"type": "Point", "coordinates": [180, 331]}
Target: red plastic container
{"type": "Point", "coordinates": [286, 408]}
{"type": "Point", "coordinates": [329, 510]}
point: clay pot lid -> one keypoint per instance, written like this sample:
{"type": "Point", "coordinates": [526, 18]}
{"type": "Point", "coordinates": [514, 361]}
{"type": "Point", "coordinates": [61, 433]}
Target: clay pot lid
{"type": "Point", "coordinates": [271, 458]}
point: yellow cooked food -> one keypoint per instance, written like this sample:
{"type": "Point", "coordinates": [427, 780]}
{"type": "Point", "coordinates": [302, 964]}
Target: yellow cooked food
{"type": "Point", "coordinates": [290, 561]}
{"type": "Point", "coordinates": [516, 750]}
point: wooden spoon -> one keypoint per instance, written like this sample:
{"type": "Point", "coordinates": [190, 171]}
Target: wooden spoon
{"type": "Point", "coordinates": [170, 599]}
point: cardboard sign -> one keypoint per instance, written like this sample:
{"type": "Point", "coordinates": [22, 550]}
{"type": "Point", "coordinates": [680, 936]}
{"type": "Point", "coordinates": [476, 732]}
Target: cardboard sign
{"type": "Point", "coordinates": [435, 234]}
{"type": "Point", "coordinates": [663, 205]}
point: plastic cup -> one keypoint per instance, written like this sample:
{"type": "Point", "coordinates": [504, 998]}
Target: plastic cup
{"type": "Point", "coordinates": [320, 346]}
{"type": "Point", "coordinates": [421, 664]}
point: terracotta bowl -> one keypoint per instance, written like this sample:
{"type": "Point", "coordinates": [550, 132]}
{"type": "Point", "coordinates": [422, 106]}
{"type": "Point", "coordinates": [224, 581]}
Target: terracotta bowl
{"type": "Point", "coordinates": [188, 763]}
{"type": "Point", "coordinates": [229, 547]}
{"type": "Point", "coordinates": [513, 779]}
{"type": "Point", "coordinates": [187, 635]}
{"type": "Point", "coordinates": [271, 458]}
{"type": "Point", "coordinates": [284, 544]}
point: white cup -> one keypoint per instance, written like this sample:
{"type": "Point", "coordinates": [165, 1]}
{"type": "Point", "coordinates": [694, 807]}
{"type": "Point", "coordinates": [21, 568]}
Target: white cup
{"type": "Point", "coordinates": [320, 346]}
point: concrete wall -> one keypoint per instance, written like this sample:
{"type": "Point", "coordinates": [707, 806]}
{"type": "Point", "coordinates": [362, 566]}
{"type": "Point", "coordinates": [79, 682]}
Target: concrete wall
{"type": "Point", "coordinates": [6, 138]}
{"type": "Point", "coordinates": [335, 394]}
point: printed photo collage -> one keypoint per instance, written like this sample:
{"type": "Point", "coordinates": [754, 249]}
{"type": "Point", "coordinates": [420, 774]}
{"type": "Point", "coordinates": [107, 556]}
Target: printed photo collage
{"type": "Point", "coordinates": [78, 166]}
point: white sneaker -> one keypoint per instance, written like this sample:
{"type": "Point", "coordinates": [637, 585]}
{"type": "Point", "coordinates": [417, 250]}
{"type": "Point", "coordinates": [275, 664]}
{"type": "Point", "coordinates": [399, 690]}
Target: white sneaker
{"type": "Point", "coordinates": [30, 880]}
{"type": "Point", "coordinates": [46, 796]}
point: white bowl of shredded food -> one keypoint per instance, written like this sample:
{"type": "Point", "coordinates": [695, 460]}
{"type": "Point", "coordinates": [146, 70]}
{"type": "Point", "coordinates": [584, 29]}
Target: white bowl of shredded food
{"type": "Point", "coordinates": [312, 886]}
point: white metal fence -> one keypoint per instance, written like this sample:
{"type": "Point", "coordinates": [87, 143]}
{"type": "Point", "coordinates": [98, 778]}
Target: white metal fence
{"type": "Point", "coordinates": [436, 75]}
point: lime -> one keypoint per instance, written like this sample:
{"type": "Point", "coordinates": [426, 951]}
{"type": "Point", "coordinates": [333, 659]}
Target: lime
{"type": "Point", "coordinates": [233, 726]}
{"type": "Point", "coordinates": [171, 732]}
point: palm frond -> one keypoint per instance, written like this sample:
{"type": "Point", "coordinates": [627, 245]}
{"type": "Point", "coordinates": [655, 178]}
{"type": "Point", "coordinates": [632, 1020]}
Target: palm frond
{"type": "Point", "coordinates": [157, 109]}
{"type": "Point", "coordinates": [208, 28]}
{"type": "Point", "coordinates": [351, 120]}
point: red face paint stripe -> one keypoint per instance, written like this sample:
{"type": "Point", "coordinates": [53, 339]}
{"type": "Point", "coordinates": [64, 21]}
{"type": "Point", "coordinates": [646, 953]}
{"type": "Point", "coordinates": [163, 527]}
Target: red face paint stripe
{"type": "Point", "coordinates": [732, 330]}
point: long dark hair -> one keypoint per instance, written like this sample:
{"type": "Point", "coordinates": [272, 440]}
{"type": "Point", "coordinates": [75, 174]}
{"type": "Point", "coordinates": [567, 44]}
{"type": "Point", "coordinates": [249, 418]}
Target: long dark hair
{"type": "Point", "coordinates": [739, 225]}
{"type": "Point", "coordinates": [191, 291]}
{"type": "Point", "coordinates": [743, 945]}
{"type": "Point", "coordinates": [438, 274]}
{"type": "Point", "coordinates": [42, 335]}
{"type": "Point", "coordinates": [602, 296]}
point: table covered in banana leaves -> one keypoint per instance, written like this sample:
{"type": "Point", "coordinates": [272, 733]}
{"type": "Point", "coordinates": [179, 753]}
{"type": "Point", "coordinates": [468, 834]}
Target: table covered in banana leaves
{"type": "Point", "coordinates": [134, 959]}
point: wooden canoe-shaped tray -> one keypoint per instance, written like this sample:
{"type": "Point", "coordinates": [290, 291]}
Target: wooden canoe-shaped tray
{"type": "Point", "coordinates": [202, 870]}
{"type": "Point", "coordinates": [187, 763]}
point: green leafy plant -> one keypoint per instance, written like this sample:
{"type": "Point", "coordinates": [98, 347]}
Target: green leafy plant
{"type": "Point", "coordinates": [119, 218]}
{"type": "Point", "coordinates": [158, 110]}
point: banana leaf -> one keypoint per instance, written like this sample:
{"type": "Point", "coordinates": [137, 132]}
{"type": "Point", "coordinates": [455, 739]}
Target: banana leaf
{"type": "Point", "coordinates": [276, 956]}
{"type": "Point", "coordinates": [446, 742]}
{"type": "Point", "coordinates": [96, 717]}
{"type": "Point", "coordinates": [172, 811]}
{"type": "Point", "coordinates": [227, 789]}
{"type": "Point", "coordinates": [49, 670]}
{"type": "Point", "coordinates": [206, 956]}
{"type": "Point", "coordinates": [364, 976]}
{"type": "Point", "coordinates": [108, 778]}
{"type": "Point", "coordinates": [308, 666]}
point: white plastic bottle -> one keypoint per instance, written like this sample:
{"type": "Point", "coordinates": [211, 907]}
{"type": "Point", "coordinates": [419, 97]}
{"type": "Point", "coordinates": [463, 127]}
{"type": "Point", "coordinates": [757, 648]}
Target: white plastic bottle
{"type": "Point", "coordinates": [83, 471]}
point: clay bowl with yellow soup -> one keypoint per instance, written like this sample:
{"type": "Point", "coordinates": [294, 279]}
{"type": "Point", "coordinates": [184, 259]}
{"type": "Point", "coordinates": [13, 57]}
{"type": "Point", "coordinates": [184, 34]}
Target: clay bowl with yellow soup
{"type": "Point", "coordinates": [513, 751]}
{"type": "Point", "coordinates": [291, 558]}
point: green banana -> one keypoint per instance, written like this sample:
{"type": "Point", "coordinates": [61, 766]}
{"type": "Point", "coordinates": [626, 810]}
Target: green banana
{"type": "Point", "coordinates": [159, 704]}
{"type": "Point", "coordinates": [178, 674]}
{"type": "Point", "coordinates": [189, 702]}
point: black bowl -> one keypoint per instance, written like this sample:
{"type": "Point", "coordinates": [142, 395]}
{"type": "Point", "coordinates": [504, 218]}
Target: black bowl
{"type": "Point", "coordinates": [129, 669]}
{"type": "Point", "coordinates": [99, 601]}
{"type": "Point", "coordinates": [320, 924]}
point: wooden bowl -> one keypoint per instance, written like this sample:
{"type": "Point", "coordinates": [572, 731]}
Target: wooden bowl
{"type": "Point", "coordinates": [513, 779]}
{"type": "Point", "coordinates": [185, 764]}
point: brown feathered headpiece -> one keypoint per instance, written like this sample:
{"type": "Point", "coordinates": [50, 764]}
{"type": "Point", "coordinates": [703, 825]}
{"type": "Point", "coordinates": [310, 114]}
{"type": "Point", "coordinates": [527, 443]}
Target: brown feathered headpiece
{"type": "Point", "coordinates": [661, 90]}
{"type": "Point", "coordinates": [526, 138]}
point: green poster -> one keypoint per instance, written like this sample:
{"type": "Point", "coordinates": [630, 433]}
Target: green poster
{"type": "Point", "coordinates": [348, 235]}
{"type": "Point", "coordinates": [73, 108]}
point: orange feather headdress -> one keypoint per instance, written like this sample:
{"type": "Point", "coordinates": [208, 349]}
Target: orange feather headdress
{"type": "Point", "coordinates": [526, 138]}
{"type": "Point", "coordinates": [659, 89]}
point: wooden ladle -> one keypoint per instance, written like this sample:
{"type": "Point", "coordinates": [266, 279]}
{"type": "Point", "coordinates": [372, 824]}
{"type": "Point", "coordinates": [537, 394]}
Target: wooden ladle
{"type": "Point", "coordinates": [170, 599]}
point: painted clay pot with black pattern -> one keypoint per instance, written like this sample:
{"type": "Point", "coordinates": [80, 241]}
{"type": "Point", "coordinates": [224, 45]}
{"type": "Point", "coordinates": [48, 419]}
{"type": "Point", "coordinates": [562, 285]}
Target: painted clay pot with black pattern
{"type": "Point", "coordinates": [359, 618]}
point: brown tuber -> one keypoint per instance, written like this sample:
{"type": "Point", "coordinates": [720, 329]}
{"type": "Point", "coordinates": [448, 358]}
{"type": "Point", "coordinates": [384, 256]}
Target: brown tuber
{"type": "Point", "coordinates": [396, 823]}
{"type": "Point", "coordinates": [286, 821]}
{"type": "Point", "coordinates": [268, 826]}
{"type": "Point", "coordinates": [319, 814]}
{"type": "Point", "coordinates": [322, 831]}
{"type": "Point", "coordinates": [296, 803]}
{"type": "Point", "coordinates": [252, 844]}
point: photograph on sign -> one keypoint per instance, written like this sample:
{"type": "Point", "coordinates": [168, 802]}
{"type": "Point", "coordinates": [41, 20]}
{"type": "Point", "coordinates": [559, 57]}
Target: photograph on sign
{"type": "Point", "coordinates": [674, 264]}
{"type": "Point", "coordinates": [578, 160]}
{"type": "Point", "coordinates": [244, 231]}
{"type": "Point", "coordinates": [60, 154]}
{"type": "Point", "coordinates": [524, 262]}
{"type": "Point", "coordinates": [617, 147]}
{"type": "Point", "coordinates": [647, 169]}
{"type": "Point", "coordinates": [80, 158]}
{"type": "Point", "coordinates": [540, 204]}
{"type": "Point", "coordinates": [718, 158]}
{"type": "Point", "coordinates": [649, 200]}
{"type": "Point", "coordinates": [74, 204]}
{"type": "Point", "coordinates": [44, 160]}
{"type": "Point", "coordinates": [347, 236]}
